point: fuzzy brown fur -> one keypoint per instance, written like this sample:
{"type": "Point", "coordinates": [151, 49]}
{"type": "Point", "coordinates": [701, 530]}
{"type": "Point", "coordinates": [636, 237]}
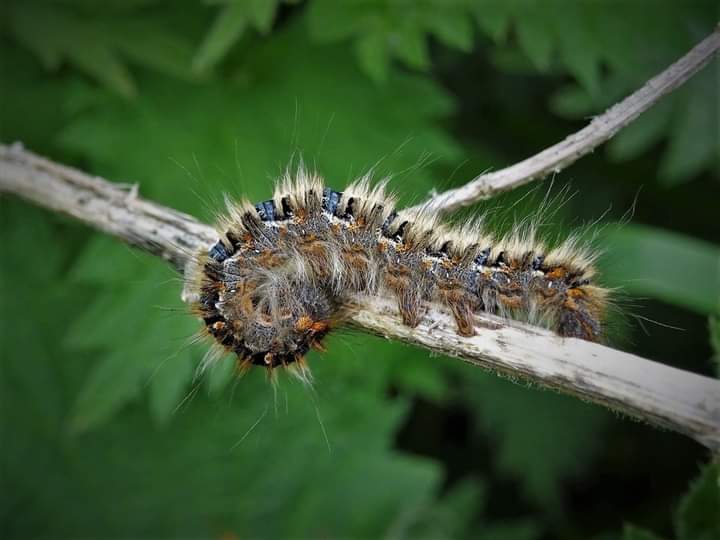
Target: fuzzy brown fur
{"type": "Point", "coordinates": [279, 278]}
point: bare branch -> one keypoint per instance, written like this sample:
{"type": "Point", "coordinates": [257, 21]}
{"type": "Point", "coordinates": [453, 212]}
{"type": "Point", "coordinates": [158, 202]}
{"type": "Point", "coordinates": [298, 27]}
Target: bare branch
{"type": "Point", "coordinates": [601, 129]}
{"type": "Point", "coordinates": [109, 207]}
{"type": "Point", "coordinates": [658, 394]}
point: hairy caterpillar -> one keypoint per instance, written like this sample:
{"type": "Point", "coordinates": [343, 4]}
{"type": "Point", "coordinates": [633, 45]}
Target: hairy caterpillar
{"type": "Point", "coordinates": [280, 276]}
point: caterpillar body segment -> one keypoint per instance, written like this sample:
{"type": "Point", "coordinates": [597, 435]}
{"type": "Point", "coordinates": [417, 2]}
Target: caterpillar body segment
{"type": "Point", "coordinates": [283, 271]}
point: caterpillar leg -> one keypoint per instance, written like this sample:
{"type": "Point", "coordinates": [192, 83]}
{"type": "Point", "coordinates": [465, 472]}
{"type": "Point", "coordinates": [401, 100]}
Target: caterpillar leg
{"type": "Point", "coordinates": [579, 315]}
{"type": "Point", "coordinates": [404, 283]}
{"type": "Point", "coordinates": [410, 306]}
{"type": "Point", "coordinates": [461, 305]}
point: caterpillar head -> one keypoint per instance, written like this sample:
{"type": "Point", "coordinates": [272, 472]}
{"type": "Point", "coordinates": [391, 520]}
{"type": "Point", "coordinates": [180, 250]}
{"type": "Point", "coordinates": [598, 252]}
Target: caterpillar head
{"type": "Point", "coordinates": [269, 319]}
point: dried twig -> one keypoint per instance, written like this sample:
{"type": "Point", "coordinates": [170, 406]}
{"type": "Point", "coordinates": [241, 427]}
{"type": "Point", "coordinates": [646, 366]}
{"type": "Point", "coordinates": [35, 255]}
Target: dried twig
{"type": "Point", "coordinates": [600, 129]}
{"type": "Point", "coordinates": [659, 394]}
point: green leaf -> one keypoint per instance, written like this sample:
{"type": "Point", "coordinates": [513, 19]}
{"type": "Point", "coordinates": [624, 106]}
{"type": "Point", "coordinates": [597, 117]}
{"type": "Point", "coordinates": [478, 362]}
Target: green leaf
{"type": "Point", "coordinates": [134, 313]}
{"type": "Point", "coordinates": [227, 455]}
{"type": "Point", "coordinates": [493, 19]}
{"type": "Point", "coordinates": [665, 265]}
{"type": "Point", "coordinates": [98, 43]}
{"type": "Point", "coordinates": [55, 35]}
{"type": "Point", "coordinates": [37, 304]}
{"type": "Point", "coordinates": [102, 63]}
{"type": "Point", "coordinates": [168, 384]}
{"type": "Point", "coordinates": [373, 53]}
{"type": "Point", "coordinates": [410, 46]}
{"type": "Point", "coordinates": [114, 381]}
{"type": "Point", "coordinates": [631, 532]}
{"type": "Point", "coordinates": [348, 19]}
{"type": "Point", "coordinates": [642, 133]}
{"type": "Point", "coordinates": [714, 326]}
{"type": "Point", "coordinates": [388, 29]}
{"type": "Point", "coordinates": [33, 27]}
{"type": "Point", "coordinates": [150, 43]}
{"type": "Point", "coordinates": [262, 14]}
{"type": "Point", "coordinates": [535, 40]}
{"type": "Point", "coordinates": [454, 29]}
{"type": "Point", "coordinates": [572, 101]}
{"type": "Point", "coordinates": [695, 142]}
{"type": "Point", "coordinates": [447, 518]}
{"type": "Point", "coordinates": [229, 25]}
{"type": "Point", "coordinates": [698, 516]}
{"type": "Point", "coordinates": [578, 49]}
{"type": "Point", "coordinates": [542, 438]}
{"type": "Point", "coordinates": [27, 93]}
{"type": "Point", "coordinates": [627, 47]}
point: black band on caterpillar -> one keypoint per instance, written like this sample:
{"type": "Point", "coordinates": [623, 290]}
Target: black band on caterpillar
{"type": "Point", "coordinates": [279, 278]}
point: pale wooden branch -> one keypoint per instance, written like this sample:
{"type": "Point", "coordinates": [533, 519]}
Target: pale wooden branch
{"type": "Point", "coordinates": [653, 392]}
{"type": "Point", "coordinates": [113, 208]}
{"type": "Point", "coordinates": [599, 130]}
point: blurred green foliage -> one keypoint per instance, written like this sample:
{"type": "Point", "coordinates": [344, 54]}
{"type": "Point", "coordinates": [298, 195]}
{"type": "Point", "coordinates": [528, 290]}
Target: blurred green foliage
{"type": "Point", "coordinates": [107, 431]}
{"type": "Point", "coordinates": [697, 516]}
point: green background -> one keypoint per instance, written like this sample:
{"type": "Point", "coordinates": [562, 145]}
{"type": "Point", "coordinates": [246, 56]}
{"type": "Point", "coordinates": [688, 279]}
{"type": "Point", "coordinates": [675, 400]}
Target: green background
{"type": "Point", "coordinates": [106, 430]}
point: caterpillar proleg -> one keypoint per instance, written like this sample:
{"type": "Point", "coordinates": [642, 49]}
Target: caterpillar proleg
{"type": "Point", "coordinates": [281, 274]}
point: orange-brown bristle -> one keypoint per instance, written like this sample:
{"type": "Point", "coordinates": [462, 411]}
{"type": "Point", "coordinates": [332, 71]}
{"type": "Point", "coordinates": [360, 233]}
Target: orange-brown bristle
{"type": "Point", "coordinates": [286, 271]}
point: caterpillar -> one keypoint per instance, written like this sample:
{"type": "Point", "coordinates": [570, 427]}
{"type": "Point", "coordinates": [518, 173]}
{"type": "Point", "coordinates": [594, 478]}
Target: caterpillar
{"type": "Point", "coordinates": [282, 272]}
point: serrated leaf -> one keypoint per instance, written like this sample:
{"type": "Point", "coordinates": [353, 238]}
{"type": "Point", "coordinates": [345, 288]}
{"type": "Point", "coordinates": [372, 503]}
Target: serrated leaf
{"type": "Point", "coordinates": [229, 25]}
{"type": "Point", "coordinates": [226, 455]}
{"type": "Point", "coordinates": [627, 47]}
{"type": "Point", "coordinates": [535, 40]}
{"type": "Point", "coordinates": [101, 63]}
{"type": "Point", "coordinates": [453, 29]}
{"type": "Point", "coordinates": [33, 28]}
{"type": "Point", "coordinates": [56, 34]}
{"type": "Point", "coordinates": [409, 44]}
{"type": "Point", "coordinates": [145, 339]}
{"type": "Point", "coordinates": [262, 13]}
{"type": "Point", "coordinates": [385, 30]}
{"type": "Point", "coordinates": [493, 18]}
{"type": "Point", "coordinates": [348, 19]}
{"type": "Point", "coordinates": [97, 43]}
{"type": "Point", "coordinates": [212, 143]}
{"type": "Point", "coordinates": [151, 44]}
{"type": "Point", "coordinates": [576, 51]}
